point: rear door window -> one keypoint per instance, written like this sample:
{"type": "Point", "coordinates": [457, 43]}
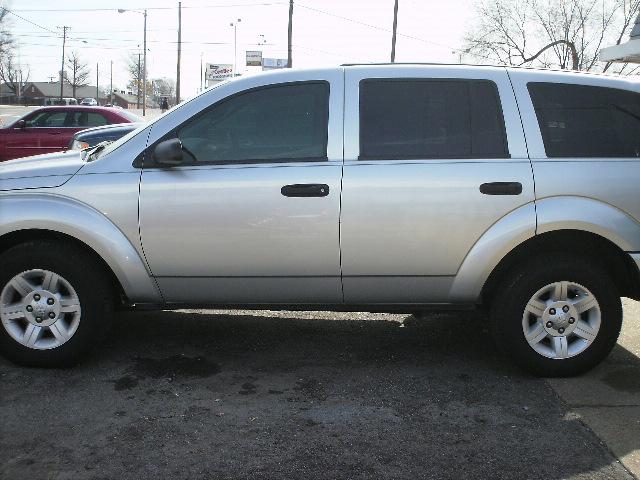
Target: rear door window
{"type": "Point", "coordinates": [430, 119]}
{"type": "Point", "coordinates": [587, 121]}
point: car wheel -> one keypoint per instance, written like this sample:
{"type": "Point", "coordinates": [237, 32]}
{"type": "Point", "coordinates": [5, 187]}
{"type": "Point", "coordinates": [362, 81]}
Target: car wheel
{"type": "Point", "coordinates": [56, 303]}
{"type": "Point", "coordinates": [557, 315]}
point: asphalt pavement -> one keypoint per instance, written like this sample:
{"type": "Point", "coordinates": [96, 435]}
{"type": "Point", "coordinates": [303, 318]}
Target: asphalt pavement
{"type": "Point", "coordinates": [299, 395]}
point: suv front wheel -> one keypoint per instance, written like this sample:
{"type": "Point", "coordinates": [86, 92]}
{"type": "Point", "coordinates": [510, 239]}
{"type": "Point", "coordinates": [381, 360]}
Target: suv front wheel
{"type": "Point", "coordinates": [55, 303]}
{"type": "Point", "coordinates": [557, 315]}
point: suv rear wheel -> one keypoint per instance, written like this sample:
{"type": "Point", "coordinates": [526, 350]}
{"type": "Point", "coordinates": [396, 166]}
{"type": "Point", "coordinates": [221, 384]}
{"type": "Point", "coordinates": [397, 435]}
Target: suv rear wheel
{"type": "Point", "coordinates": [55, 304]}
{"type": "Point", "coordinates": [557, 315]}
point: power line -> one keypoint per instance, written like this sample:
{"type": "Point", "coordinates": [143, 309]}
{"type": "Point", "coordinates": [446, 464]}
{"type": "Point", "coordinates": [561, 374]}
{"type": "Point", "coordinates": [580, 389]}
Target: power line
{"type": "Point", "coordinates": [27, 20]}
{"type": "Point", "coordinates": [383, 29]}
{"type": "Point", "coordinates": [369, 25]}
{"type": "Point", "coordinates": [72, 10]}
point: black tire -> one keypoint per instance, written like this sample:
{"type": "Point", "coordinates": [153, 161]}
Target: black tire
{"type": "Point", "coordinates": [92, 285]}
{"type": "Point", "coordinates": [518, 287]}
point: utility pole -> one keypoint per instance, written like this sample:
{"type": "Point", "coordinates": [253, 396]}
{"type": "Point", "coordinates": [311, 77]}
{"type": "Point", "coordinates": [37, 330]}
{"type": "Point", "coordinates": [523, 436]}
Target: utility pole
{"type": "Point", "coordinates": [19, 85]}
{"type": "Point", "coordinates": [97, 83]}
{"type": "Point", "coordinates": [235, 43]}
{"type": "Point", "coordinates": [144, 69]}
{"type": "Point", "coordinates": [138, 89]}
{"type": "Point", "coordinates": [64, 40]}
{"type": "Point", "coordinates": [144, 66]}
{"type": "Point", "coordinates": [395, 27]}
{"type": "Point", "coordinates": [111, 86]}
{"type": "Point", "coordinates": [179, 52]}
{"type": "Point", "coordinates": [290, 35]}
{"type": "Point", "coordinates": [201, 76]}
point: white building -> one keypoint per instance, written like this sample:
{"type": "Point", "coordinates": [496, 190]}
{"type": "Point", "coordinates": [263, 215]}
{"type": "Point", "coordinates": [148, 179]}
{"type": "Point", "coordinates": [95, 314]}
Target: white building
{"type": "Point", "coordinates": [628, 52]}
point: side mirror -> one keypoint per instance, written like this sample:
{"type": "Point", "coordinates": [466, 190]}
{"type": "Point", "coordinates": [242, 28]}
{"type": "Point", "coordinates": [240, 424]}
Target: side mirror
{"type": "Point", "coordinates": [168, 153]}
{"type": "Point", "coordinates": [20, 125]}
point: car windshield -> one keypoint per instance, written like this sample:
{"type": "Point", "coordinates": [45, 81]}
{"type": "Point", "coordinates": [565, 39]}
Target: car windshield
{"type": "Point", "coordinates": [130, 116]}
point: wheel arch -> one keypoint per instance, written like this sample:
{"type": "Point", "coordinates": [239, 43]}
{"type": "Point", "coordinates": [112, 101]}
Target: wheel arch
{"type": "Point", "coordinates": [599, 249]}
{"type": "Point", "coordinates": [37, 216]}
{"type": "Point", "coordinates": [19, 237]}
{"type": "Point", "coordinates": [554, 224]}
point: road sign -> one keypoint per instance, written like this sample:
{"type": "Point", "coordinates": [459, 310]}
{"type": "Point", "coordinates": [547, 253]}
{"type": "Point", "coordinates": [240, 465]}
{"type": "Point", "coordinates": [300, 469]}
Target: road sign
{"type": "Point", "coordinates": [273, 63]}
{"type": "Point", "coordinates": [254, 58]}
{"type": "Point", "coordinates": [217, 72]}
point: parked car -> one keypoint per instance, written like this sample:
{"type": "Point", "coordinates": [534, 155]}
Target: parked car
{"type": "Point", "coordinates": [385, 188]}
{"type": "Point", "coordinates": [57, 101]}
{"type": "Point", "coordinates": [49, 129]}
{"type": "Point", "coordinates": [90, 102]}
{"type": "Point", "coordinates": [106, 133]}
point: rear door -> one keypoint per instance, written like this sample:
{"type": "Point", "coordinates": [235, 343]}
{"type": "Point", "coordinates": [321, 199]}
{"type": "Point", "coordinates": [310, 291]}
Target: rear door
{"type": "Point", "coordinates": [434, 156]}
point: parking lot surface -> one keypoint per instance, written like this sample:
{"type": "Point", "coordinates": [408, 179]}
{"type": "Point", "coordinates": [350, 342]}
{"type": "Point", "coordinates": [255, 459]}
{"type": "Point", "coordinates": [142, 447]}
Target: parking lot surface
{"type": "Point", "coordinates": [296, 395]}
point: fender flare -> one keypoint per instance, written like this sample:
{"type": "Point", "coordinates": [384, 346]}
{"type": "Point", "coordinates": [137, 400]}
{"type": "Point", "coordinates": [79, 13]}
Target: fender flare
{"type": "Point", "coordinates": [589, 215]}
{"type": "Point", "coordinates": [55, 213]}
{"type": "Point", "coordinates": [503, 236]}
{"type": "Point", "coordinates": [546, 215]}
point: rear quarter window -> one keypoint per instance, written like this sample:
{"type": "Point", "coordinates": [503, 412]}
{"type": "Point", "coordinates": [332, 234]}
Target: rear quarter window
{"type": "Point", "coordinates": [587, 121]}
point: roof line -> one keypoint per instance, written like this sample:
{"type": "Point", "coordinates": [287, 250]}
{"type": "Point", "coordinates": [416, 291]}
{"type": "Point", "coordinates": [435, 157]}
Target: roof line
{"type": "Point", "coordinates": [517, 67]}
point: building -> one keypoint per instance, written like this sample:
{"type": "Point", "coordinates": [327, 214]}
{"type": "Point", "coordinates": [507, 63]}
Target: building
{"type": "Point", "coordinates": [628, 52]}
{"type": "Point", "coordinates": [125, 99]}
{"type": "Point", "coordinates": [37, 93]}
{"type": "Point", "coordinates": [45, 93]}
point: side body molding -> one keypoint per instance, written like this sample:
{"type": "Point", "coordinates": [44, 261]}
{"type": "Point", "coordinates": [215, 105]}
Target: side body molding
{"type": "Point", "coordinates": [589, 215]}
{"type": "Point", "coordinates": [502, 237]}
{"type": "Point", "coordinates": [44, 211]}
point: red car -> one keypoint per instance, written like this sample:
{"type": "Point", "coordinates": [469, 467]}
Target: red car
{"type": "Point", "coordinates": [49, 129]}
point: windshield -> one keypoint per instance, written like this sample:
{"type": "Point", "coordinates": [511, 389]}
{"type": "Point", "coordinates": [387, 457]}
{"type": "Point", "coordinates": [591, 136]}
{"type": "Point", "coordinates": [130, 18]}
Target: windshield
{"type": "Point", "coordinates": [131, 116]}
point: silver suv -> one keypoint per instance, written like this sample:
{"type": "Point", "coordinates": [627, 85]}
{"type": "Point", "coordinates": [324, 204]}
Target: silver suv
{"type": "Point", "coordinates": [381, 187]}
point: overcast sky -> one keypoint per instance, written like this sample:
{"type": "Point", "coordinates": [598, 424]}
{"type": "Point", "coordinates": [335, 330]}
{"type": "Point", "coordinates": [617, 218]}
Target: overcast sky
{"type": "Point", "coordinates": [325, 32]}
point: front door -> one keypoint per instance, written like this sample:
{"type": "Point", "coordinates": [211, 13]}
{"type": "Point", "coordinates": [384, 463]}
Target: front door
{"type": "Point", "coordinates": [252, 216]}
{"type": "Point", "coordinates": [42, 133]}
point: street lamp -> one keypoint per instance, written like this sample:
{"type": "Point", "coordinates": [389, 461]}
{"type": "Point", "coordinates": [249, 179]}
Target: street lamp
{"type": "Point", "coordinates": [144, 61]}
{"type": "Point", "coordinates": [235, 43]}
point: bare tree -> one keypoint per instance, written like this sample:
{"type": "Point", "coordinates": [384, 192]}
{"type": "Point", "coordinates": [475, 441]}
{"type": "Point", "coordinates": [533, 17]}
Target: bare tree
{"type": "Point", "coordinates": [136, 76]}
{"type": "Point", "coordinates": [12, 74]}
{"type": "Point", "coordinates": [549, 33]}
{"type": "Point", "coordinates": [6, 41]}
{"type": "Point", "coordinates": [78, 74]}
{"type": "Point", "coordinates": [164, 87]}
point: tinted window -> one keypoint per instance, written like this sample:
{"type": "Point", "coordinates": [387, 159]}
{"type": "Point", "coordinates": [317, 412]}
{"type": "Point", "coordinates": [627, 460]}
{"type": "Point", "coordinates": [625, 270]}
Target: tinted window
{"type": "Point", "coordinates": [430, 119]}
{"type": "Point", "coordinates": [287, 122]}
{"type": "Point", "coordinates": [585, 121]}
{"type": "Point", "coordinates": [86, 119]}
{"type": "Point", "coordinates": [95, 120]}
{"type": "Point", "coordinates": [47, 120]}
